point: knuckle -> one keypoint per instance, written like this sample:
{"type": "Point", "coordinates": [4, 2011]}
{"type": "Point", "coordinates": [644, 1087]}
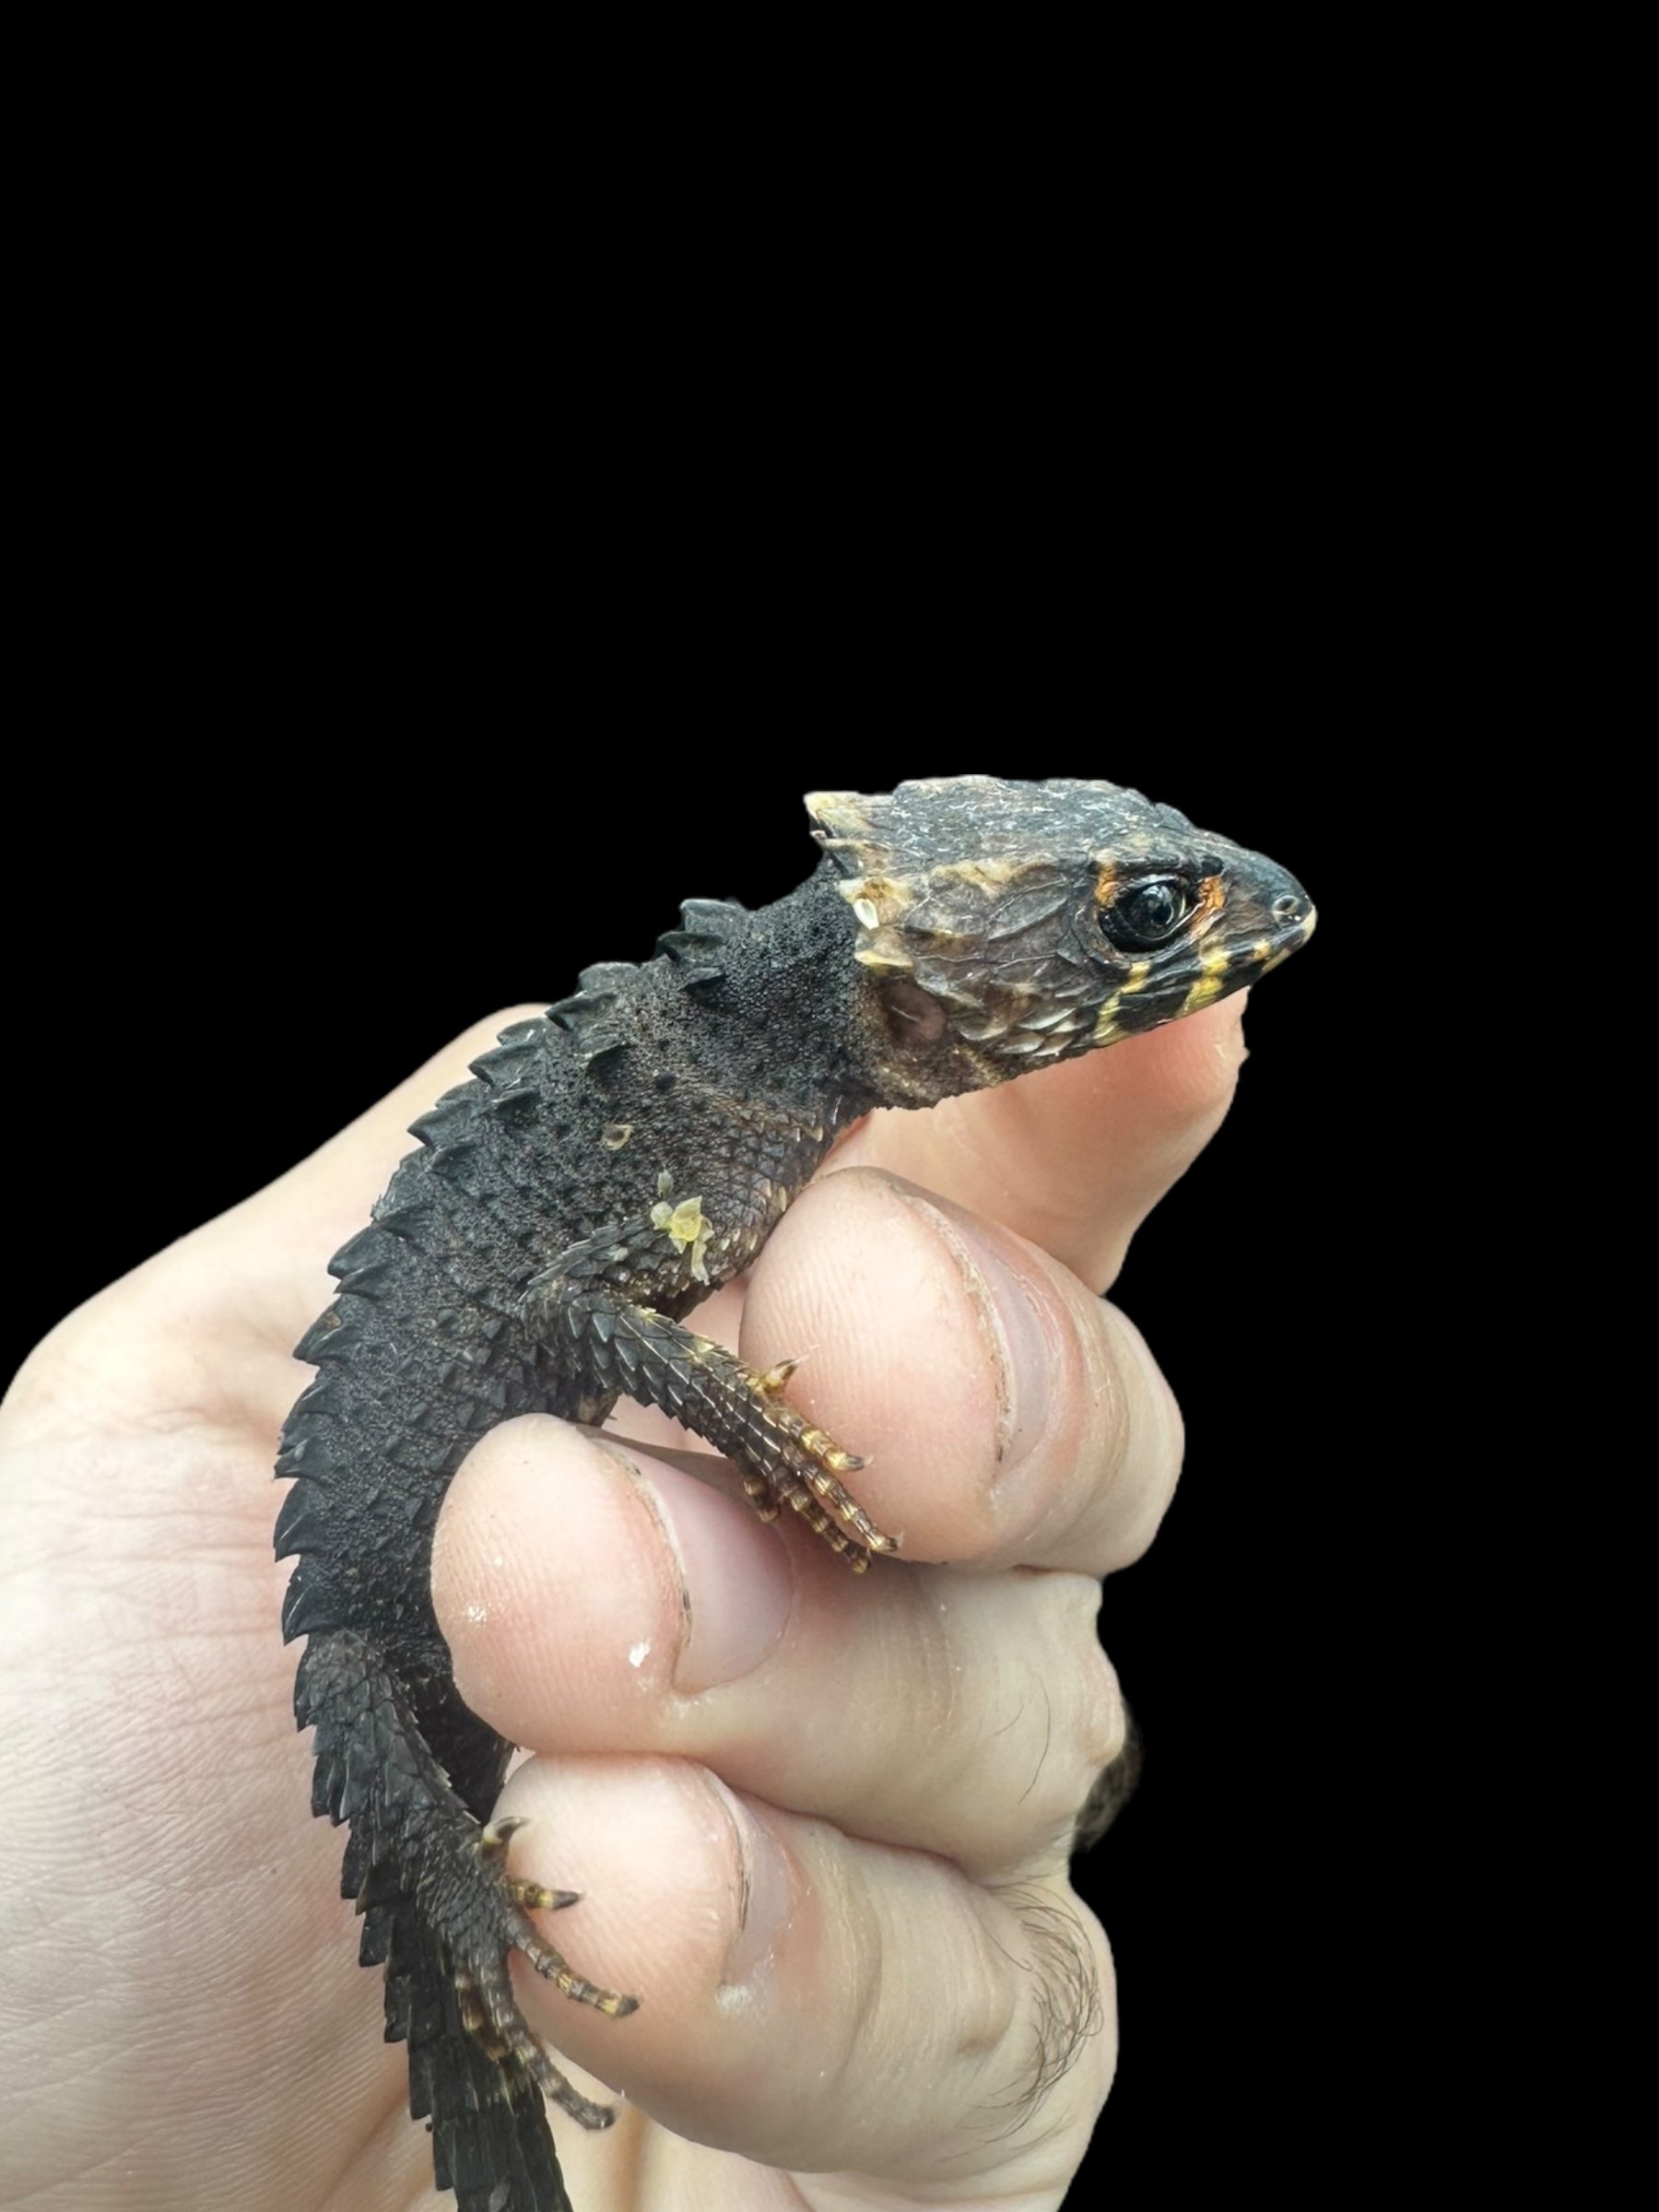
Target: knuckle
{"type": "Point", "coordinates": [1139, 1437]}
{"type": "Point", "coordinates": [1089, 1723]}
{"type": "Point", "coordinates": [1102, 1719]}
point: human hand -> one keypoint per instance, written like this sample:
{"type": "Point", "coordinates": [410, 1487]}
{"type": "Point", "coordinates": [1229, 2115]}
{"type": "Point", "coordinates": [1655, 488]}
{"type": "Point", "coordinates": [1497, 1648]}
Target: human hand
{"type": "Point", "coordinates": [909, 1750]}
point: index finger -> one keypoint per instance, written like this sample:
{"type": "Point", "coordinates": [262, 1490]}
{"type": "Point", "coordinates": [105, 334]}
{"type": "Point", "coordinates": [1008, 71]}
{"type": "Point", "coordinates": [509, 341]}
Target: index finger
{"type": "Point", "coordinates": [1072, 1158]}
{"type": "Point", "coordinates": [904, 1362]}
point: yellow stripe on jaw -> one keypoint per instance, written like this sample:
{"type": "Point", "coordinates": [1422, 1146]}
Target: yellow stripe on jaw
{"type": "Point", "coordinates": [1106, 1028]}
{"type": "Point", "coordinates": [1209, 987]}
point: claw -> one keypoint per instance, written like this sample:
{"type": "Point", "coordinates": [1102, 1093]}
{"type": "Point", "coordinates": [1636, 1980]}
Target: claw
{"type": "Point", "coordinates": [493, 1837]}
{"type": "Point", "coordinates": [535, 1898]}
{"type": "Point", "coordinates": [758, 1493]}
{"type": "Point", "coordinates": [552, 1967]}
{"type": "Point", "coordinates": [774, 1379]}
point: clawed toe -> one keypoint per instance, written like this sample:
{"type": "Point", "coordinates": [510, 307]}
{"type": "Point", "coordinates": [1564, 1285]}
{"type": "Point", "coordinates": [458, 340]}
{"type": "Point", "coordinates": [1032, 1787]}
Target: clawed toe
{"type": "Point", "coordinates": [552, 1967]}
{"type": "Point", "coordinates": [484, 1986]}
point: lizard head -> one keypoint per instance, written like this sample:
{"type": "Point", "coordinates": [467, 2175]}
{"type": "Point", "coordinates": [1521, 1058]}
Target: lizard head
{"type": "Point", "coordinates": [1003, 926]}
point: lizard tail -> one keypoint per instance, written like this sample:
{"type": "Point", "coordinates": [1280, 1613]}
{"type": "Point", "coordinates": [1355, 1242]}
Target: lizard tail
{"type": "Point", "coordinates": [491, 2143]}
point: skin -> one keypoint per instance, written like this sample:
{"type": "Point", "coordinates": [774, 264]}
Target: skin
{"type": "Point", "coordinates": [886, 1769]}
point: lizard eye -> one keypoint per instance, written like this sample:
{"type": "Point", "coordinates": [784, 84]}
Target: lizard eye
{"type": "Point", "coordinates": [1148, 914]}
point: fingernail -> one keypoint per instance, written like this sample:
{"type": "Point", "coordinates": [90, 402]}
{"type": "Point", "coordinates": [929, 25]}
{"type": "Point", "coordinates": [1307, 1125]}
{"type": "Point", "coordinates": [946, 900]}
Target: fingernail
{"type": "Point", "coordinates": [736, 1587]}
{"type": "Point", "coordinates": [765, 1892]}
{"type": "Point", "coordinates": [1014, 1325]}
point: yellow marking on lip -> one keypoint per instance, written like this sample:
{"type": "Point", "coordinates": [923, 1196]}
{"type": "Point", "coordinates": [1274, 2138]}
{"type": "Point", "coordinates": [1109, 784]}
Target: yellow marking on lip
{"type": "Point", "coordinates": [1296, 943]}
{"type": "Point", "coordinates": [1209, 987]}
{"type": "Point", "coordinates": [1105, 1028]}
{"type": "Point", "coordinates": [1138, 975]}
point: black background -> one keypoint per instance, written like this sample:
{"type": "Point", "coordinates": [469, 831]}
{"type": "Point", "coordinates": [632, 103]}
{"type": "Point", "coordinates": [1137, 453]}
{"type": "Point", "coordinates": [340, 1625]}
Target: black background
{"type": "Point", "coordinates": [245, 911]}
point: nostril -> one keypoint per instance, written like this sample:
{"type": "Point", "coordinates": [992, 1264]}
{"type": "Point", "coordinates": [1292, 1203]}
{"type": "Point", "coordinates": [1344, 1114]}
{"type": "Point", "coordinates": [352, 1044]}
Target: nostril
{"type": "Point", "coordinates": [1287, 905]}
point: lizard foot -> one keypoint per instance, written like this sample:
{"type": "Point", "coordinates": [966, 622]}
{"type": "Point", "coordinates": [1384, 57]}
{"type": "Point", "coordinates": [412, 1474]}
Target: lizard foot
{"type": "Point", "coordinates": [802, 1468]}
{"type": "Point", "coordinates": [787, 1461]}
{"type": "Point", "coordinates": [494, 1924]}
{"type": "Point", "coordinates": [805, 1485]}
{"type": "Point", "coordinates": [642, 1354]}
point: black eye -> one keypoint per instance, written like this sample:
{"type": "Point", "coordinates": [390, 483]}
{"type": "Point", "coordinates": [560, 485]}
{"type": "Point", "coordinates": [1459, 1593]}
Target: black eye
{"type": "Point", "coordinates": [1146, 914]}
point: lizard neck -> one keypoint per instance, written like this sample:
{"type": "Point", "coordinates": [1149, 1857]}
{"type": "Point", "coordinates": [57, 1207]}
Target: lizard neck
{"type": "Point", "coordinates": [825, 1035]}
{"type": "Point", "coordinates": [786, 1013]}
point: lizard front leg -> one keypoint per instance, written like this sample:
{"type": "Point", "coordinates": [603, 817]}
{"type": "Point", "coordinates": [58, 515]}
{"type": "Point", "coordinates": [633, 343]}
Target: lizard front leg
{"type": "Point", "coordinates": [593, 1308]}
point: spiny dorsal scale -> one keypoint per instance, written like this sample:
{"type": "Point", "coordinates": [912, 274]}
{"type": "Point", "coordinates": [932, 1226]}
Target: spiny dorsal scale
{"type": "Point", "coordinates": [453, 1156]}
{"type": "Point", "coordinates": [369, 1248]}
{"type": "Point", "coordinates": [707, 926]}
{"type": "Point", "coordinates": [606, 978]}
{"type": "Point", "coordinates": [328, 1338]}
{"type": "Point", "coordinates": [410, 1221]}
{"type": "Point", "coordinates": [685, 946]}
{"type": "Point", "coordinates": [521, 1094]}
{"type": "Point", "coordinates": [446, 1122]}
{"type": "Point", "coordinates": [304, 1610]}
{"type": "Point", "coordinates": [591, 1018]}
{"type": "Point", "coordinates": [321, 1397]}
{"type": "Point", "coordinates": [596, 1018]}
{"type": "Point", "coordinates": [298, 1525]}
{"type": "Point", "coordinates": [505, 1064]}
{"type": "Point", "coordinates": [712, 917]}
